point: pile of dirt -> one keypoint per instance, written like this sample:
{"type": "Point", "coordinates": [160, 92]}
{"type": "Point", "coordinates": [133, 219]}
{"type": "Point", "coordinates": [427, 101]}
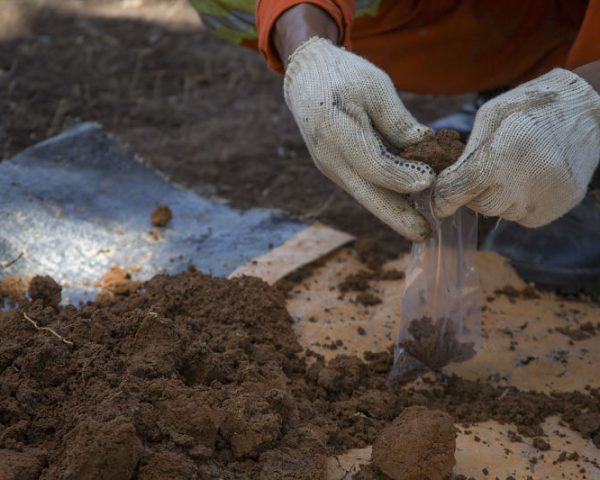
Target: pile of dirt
{"type": "Point", "coordinates": [198, 377]}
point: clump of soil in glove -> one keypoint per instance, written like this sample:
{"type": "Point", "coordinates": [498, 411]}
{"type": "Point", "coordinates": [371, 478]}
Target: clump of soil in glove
{"type": "Point", "coordinates": [199, 377]}
{"type": "Point", "coordinates": [439, 151]}
{"type": "Point", "coordinates": [161, 216]}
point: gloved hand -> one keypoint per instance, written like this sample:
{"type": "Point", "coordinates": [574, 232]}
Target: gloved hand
{"type": "Point", "coordinates": [531, 155]}
{"type": "Point", "coordinates": [342, 103]}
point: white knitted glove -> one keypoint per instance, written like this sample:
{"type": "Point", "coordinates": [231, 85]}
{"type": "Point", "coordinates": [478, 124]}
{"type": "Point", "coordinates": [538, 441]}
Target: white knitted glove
{"type": "Point", "coordinates": [531, 155]}
{"type": "Point", "coordinates": [342, 103]}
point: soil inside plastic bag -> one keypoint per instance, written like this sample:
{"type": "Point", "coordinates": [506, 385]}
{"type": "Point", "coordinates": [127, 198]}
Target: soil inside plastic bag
{"type": "Point", "coordinates": [440, 306]}
{"type": "Point", "coordinates": [436, 344]}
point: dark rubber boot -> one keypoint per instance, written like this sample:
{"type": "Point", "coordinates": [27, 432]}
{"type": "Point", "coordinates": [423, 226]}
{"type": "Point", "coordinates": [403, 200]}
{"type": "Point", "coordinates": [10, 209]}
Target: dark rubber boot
{"type": "Point", "coordinates": [563, 255]}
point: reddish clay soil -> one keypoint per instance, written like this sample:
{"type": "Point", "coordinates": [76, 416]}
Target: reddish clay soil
{"type": "Point", "coordinates": [197, 377]}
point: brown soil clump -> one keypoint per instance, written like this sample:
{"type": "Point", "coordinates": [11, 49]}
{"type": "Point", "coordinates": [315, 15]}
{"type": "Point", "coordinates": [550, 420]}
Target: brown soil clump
{"type": "Point", "coordinates": [15, 465]}
{"type": "Point", "coordinates": [356, 282]}
{"type": "Point", "coordinates": [513, 294]}
{"type": "Point", "coordinates": [369, 472]}
{"type": "Point", "coordinates": [13, 290]}
{"type": "Point", "coordinates": [541, 444]}
{"type": "Point", "coordinates": [436, 344]}
{"type": "Point", "coordinates": [359, 282]}
{"type": "Point", "coordinates": [582, 332]}
{"type": "Point", "coordinates": [161, 216]}
{"type": "Point", "coordinates": [418, 444]}
{"type": "Point", "coordinates": [438, 151]}
{"type": "Point", "coordinates": [391, 274]}
{"type": "Point", "coordinates": [117, 282]}
{"type": "Point", "coordinates": [368, 299]}
{"type": "Point", "coordinates": [370, 252]}
{"type": "Point", "coordinates": [46, 290]}
{"type": "Point", "coordinates": [588, 424]}
{"type": "Point", "coordinates": [197, 377]}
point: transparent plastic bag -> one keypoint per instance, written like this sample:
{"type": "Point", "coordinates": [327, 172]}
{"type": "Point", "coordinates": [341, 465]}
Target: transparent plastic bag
{"type": "Point", "coordinates": [441, 306]}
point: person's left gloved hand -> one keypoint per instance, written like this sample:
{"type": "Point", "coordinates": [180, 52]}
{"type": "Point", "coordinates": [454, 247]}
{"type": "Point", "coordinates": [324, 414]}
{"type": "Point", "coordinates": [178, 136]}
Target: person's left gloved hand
{"type": "Point", "coordinates": [531, 155]}
{"type": "Point", "coordinates": [345, 106]}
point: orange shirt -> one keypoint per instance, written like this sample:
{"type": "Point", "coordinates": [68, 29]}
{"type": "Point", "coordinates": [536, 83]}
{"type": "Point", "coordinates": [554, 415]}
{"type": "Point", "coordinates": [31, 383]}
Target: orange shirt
{"type": "Point", "coordinates": [454, 46]}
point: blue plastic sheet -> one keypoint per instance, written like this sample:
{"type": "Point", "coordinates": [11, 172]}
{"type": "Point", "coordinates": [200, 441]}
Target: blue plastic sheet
{"type": "Point", "coordinates": [73, 205]}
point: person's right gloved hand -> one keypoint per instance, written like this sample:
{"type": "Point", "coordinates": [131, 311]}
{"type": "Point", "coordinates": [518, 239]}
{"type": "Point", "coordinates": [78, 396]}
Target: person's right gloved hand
{"type": "Point", "coordinates": [343, 104]}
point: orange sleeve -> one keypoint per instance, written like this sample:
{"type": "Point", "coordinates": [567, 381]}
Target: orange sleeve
{"type": "Point", "coordinates": [586, 48]}
{"type": "Point", "coordinates": [268, 11]}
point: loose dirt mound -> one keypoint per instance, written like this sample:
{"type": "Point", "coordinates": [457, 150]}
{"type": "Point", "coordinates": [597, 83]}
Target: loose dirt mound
{"type": "Point", "coordinates": [196, 377]}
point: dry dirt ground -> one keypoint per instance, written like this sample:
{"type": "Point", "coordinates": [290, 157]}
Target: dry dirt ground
{"type": "Point", "coordinates": [208, 114]}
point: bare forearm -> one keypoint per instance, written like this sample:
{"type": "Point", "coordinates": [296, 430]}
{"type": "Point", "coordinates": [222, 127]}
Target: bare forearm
{"type": "Point", "coordinates": [299, 24]}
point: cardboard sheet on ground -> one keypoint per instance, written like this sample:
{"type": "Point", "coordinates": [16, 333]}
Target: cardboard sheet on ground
{"type": "Point", "coordinates": [74, 205]}
{"type": "Point", "coordinates": [522, 347]}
